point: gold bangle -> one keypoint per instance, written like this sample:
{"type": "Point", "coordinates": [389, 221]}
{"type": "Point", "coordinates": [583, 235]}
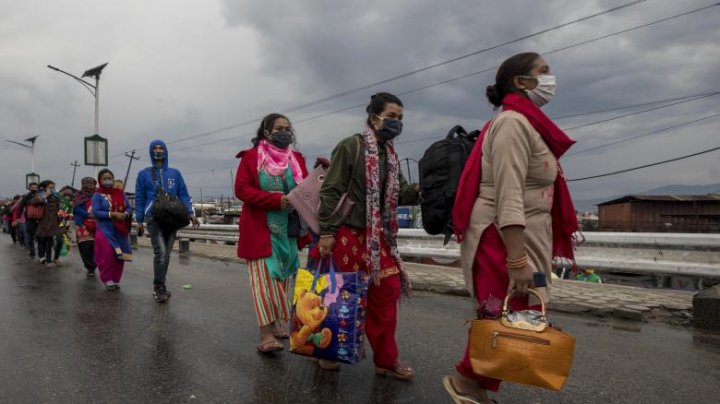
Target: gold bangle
{"type": "Point", "coordinates": [517, 263]}
{"type": "Point", "coordinates": [511, 260]}
{"type": "Point", "coordinates": [327, 236]}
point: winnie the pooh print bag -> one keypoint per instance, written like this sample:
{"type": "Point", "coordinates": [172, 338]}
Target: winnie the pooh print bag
{"type": "Point", "coordinates": [328, 313]}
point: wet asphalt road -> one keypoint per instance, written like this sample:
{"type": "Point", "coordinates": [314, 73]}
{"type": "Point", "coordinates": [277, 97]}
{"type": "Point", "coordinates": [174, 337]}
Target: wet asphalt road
{"type": "Point", "coordinates": [65, 339]}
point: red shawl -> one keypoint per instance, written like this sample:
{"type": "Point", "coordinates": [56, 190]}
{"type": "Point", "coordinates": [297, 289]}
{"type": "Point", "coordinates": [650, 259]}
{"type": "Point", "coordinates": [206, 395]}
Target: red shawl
{"type": "Point", "coordinates": [116, 197]}
{"type": "Point", "coordinates": [564, 220]}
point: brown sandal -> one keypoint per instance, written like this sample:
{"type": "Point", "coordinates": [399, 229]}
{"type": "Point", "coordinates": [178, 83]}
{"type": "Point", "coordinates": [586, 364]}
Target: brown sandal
{"type": "Point", "coordinates": [281, 334]}
{"type": "Point", "coordinates": [270, 346]}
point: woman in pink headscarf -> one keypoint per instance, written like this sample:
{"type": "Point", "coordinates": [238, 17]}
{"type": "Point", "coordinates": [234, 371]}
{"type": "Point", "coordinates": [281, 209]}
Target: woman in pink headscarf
{"type": "Point", "coordinates": [267, 172]}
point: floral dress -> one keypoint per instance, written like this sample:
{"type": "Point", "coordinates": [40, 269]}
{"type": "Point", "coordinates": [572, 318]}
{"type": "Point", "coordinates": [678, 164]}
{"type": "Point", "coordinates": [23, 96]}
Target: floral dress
{"type": "Point", "coordinates": [284, 260]}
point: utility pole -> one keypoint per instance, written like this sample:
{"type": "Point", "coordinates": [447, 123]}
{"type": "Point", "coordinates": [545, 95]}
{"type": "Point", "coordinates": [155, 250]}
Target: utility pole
{"type": "Point", "coordinates": [132, 157]}
{"type": "Point", "coordinates": [75, 166]}
{"type": "Point", "coordinates": [232, 185]}
{"type": "Point", "coordinates": [407, 161]}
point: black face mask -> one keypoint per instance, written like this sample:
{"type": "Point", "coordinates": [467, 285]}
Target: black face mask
{"type": "Point", "coordinates": [33, 191]}
{"type": "Point", "coordinates": [281, 139]}
{"type": "Point", "coordinates": [391, 129]}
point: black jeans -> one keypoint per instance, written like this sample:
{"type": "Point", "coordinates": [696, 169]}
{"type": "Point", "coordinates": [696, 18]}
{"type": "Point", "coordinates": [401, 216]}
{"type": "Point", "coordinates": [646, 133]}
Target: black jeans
{"type": "Point", "coordinates": [162, 243]}
{"type": "Point", "coordinates": [87, 253]}
{"type": "Point", "coordinates": [13, 234]}
{"type": "Point", "coordinates": [30, 229]}
{"type": "Point", "coordinates": [50, 245]}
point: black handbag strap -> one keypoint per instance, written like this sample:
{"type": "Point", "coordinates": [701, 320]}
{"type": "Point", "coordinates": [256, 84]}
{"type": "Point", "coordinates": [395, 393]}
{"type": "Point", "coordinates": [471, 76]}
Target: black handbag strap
{"type": "Point", "coordinates": [154, 177]}
{"type": "Point", "coordinates": [286, 187]}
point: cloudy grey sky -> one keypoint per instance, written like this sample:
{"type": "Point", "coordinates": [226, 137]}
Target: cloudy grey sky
{"type": "Point", "coordinates": [180, 69]}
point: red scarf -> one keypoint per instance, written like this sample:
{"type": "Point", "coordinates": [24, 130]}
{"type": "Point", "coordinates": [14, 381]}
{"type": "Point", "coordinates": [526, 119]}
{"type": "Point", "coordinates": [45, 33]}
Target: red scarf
{"type": "Point", "coordinates": [116, 198]}
{"type": "Point", "coordinates": [564, 221]}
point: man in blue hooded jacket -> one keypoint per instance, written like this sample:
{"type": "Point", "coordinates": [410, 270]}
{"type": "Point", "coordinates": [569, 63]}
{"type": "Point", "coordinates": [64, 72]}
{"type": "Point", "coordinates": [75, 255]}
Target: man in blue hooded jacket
{"type": "Point", "coordinates": [171, 181]}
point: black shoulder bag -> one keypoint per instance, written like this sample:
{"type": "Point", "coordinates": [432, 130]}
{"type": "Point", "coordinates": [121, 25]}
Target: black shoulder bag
{"type": "Point", "coordinates": [168, 211]}
{"type": "Point", "coordinates": [296, 227]}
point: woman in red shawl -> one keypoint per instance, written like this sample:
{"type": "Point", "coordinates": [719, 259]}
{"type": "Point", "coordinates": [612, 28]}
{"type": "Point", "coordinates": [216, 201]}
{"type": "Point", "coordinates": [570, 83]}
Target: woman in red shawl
{"type": "Point", "coordinates": [113, 215]}
{"type": "Point", "coordinates": [513, 210]}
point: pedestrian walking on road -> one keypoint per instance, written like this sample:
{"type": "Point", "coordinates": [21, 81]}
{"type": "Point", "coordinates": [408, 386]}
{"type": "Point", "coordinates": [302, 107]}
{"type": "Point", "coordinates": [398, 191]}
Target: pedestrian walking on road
{"type": "Point", "coordinates": [49, 233]}
{"type": "Point", "coordinates": [12, 218]}
{"type": "Point", "coordinates": [366, 240]}
{"type": "Point", "coordinates": [265, 174]}
{"type": "Point", "coordinates": [18, 218]}
{"type": "Point", "coordinates": [513, 210]}
{"type": "Point", "coordinates": [31, 209]}
{"type": "Point", "coordinates": [113, 214]}
{"type": "Point", "coordinates": [170, 180]}
{"type": "Point", "coordinates": [85, 224]}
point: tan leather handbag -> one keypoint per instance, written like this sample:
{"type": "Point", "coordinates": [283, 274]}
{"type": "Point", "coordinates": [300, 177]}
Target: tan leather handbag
{"type": "Point", "coordinates": [523, 348]}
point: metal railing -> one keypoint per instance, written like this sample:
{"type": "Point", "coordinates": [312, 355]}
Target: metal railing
{"type": "Point", "coordinates": [417, 243]}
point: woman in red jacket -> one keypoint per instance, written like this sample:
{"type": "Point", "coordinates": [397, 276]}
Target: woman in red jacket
{"type": "Point", "coordinates": [267, 172]}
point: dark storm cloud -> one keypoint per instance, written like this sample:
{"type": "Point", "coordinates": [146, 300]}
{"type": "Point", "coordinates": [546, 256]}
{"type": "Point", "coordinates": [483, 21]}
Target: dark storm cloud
{"type": "Point", "coordinates": [208, 65]}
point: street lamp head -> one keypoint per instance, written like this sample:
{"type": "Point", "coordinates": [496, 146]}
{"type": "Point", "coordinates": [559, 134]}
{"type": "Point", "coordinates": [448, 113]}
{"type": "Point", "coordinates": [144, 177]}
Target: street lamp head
{"type": "Point", "coordinates": [94, 72]}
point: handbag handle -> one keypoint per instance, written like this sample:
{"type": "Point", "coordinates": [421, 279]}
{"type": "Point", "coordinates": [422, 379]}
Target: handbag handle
{"type": "Point", "coordinates": [331, 272]}
{"type": "Point", "coordinates": [505, 310]}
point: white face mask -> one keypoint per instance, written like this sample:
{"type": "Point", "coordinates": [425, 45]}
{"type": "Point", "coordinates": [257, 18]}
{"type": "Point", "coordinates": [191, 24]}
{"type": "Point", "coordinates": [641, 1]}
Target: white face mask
{"type": "Point", "coordinates": [544, 91]}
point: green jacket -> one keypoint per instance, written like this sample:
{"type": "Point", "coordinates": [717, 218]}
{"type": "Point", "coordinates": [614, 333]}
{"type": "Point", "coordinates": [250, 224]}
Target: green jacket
{"type": "Point", "coordinates": [336, 180]}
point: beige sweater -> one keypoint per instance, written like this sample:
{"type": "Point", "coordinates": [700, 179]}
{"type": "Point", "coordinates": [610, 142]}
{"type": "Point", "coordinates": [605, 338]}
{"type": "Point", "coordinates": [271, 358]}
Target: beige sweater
{"type": "Point", "coordinates": [518, 176]}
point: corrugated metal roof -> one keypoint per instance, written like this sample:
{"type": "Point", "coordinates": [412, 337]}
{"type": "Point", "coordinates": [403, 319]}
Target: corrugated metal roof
{"type": "Point", "coordinates": [664, 198]}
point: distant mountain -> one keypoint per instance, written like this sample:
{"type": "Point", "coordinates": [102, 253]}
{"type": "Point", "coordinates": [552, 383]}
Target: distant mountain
{"type": "Point", "coordinates": [589, 205]}
{"type": "Point", "coordinates": [684, 190]}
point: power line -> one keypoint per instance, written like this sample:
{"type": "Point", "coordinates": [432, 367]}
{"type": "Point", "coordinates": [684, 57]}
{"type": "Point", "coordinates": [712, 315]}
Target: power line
{"type": "Point", "coordinates": [639, 112]}
{"type": "Point", "coordinates": [646, 165]}
{"type": "Point", "coordinates": [465, 56]}
{"type": "Point", "coordinates": [644, 104]}
{"type": "Point", "coordinates": [416, 71]}
{"type": "Point", "coordinates": [449, 81]}
{"type": "Point", "coordinates": [641, 136]}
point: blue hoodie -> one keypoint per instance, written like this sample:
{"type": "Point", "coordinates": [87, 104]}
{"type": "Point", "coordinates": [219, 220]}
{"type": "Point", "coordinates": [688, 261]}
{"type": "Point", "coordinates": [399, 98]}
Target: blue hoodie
{"type": "Point", "coordinates": [169, 179]}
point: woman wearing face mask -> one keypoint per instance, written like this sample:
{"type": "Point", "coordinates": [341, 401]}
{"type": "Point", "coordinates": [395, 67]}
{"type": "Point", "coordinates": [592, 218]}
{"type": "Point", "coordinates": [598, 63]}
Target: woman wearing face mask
{"type": "Point", "coordinates": [522, 214]}
{"type": "Point", "coordinates": [366, 240]}
{"type": "Point", "coordinates": [85, 224]}
{"type": "Point", "coordinates": [49, 232]}
{"type": "Point", "coordinates": [266, 173]}
{"type": "Point", "coordinates": [113, 214]}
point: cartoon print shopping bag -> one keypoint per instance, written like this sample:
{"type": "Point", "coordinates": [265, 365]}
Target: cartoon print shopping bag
{"type": "Point", "coordinates": [328, 313]}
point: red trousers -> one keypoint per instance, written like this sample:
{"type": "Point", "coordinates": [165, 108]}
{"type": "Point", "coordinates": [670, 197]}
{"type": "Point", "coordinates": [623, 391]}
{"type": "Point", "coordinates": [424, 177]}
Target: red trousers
{"type": "Point", "coordinates": [382, 299]}
{"type": "Point", "coordinates": [490, 278]}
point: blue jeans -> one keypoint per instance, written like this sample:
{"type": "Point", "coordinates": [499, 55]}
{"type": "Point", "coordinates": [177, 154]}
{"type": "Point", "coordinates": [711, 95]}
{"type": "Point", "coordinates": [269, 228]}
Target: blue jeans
{"type": "Point", "coordinates": [162, 244]}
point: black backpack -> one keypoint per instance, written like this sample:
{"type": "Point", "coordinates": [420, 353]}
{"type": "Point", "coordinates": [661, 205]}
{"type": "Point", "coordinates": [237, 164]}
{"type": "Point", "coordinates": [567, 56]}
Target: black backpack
{"type": "Point", "coordinates": [440, 169]}
{"type": "Point", "coordinates": [168, 211]}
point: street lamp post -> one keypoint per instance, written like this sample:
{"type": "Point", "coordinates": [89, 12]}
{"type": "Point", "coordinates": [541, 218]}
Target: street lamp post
{"type": "Point", "coordinates": [94, 89]}
{"type": "Point", "coordinates": [30, 148]}
{"type": "Point", "coordinates": [32, 176]}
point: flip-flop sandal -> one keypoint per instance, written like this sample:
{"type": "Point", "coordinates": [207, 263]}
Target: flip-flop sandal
{"type": "Point", "coordinates": [281, 334]}
{"type": "Point", "coordinates": [270, 347]}
{"type": "Point", "coordinates": [457, 397]}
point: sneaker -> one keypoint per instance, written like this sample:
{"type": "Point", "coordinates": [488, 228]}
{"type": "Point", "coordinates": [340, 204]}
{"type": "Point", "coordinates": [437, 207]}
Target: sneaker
{"type": "Point", "coordinates": [110, 286]}
{"type": "Point", "coordinates": [42, 261]}
{"type": "Point", "coordinates": [90, 274]}
{"type": "Point", "coordinates": [161, 294]}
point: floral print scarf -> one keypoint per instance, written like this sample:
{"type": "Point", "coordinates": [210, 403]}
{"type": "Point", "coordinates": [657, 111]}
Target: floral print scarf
{"type": "Point", "coordinates": [381, 224]}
